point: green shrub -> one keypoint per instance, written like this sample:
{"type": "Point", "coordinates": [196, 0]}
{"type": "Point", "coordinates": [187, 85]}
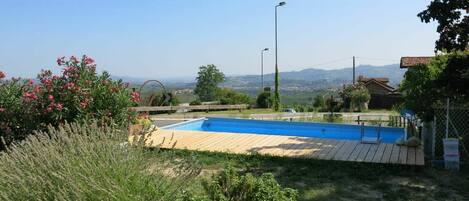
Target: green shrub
{"type": "Point", "coordinates": [319, 102]}
{"type": "Point", "coordinates": [264, 100]}
{"type": "Point", "coordinates": [160, 99]}
{"type": "Point", "coordinates": [231, 97]}
{"type": "Point", "coordinates": [76, 162]}
{"type": "Point", "coordinates": [196, 102]}
{"type": "Point", "coordinates": [334, 118]}
{"type": "Point", "coordinates": [229, 185]}
{"type": "Point", "coordinates": [355, 97]}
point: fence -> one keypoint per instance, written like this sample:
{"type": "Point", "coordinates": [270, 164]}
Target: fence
{"type": "Point", "coordinates": [456, 126]}
{"type": "Point", "coordinates": [189, 108]}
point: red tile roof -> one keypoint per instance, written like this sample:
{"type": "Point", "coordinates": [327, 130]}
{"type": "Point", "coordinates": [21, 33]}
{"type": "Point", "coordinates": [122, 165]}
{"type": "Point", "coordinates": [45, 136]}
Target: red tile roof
{"type": "Point", "coordinates": [407, 62]}
{"type": "Point", "coordinates": [362, 78]}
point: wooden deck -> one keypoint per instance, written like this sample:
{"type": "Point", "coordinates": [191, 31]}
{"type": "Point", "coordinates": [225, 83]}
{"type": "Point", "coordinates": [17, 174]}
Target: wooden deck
{"type": "Point", "coordinates": [288, 146]}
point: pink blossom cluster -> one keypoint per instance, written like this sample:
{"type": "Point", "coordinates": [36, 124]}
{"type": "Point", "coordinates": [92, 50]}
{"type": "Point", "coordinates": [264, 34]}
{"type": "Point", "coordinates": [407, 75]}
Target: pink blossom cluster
{"type": "Point", "coordinates": [2, 75]}
{"type": "Point", "coordinates": [52, 106]}
{"type": "Point", "coordinates": [135, 97]}
{"type": "Point", "coordinates": [29, 96]}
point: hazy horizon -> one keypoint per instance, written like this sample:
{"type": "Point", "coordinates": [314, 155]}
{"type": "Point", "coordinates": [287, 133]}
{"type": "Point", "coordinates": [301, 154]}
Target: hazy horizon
{"type": "Point", "coordinates": [171, 39]}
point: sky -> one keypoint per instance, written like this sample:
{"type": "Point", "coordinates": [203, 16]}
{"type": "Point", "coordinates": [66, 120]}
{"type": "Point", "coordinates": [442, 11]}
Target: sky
{"type": "Point", "coordinates": [171, 38]}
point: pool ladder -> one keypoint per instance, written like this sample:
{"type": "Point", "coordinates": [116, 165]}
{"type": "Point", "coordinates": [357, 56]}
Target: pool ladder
{"type": "Point", "coordinates": [370, 140]}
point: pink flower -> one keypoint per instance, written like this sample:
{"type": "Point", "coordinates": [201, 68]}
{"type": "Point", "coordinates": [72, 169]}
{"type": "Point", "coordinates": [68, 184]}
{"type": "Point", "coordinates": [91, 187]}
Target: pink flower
{"type": "Point", "coordinates": [2, 75]}
{"type": "Point", "coordinates": [51, 98]}
{"type": "Point", "coordinates": [88, 60]}
{"type": "Point", "coordinates": [30, 82]}
{"type": "Point", "coordinates": [48, 110]}
{"type": "Point", "coordinates": [29, 96]}
{"type": "Point", "coordinates": [45, 73]}
{"type": "Point", "coordinates": [73, 59]}
{"type": "Point", "coordinates": [69, 85]}
{"type": "Point", "coordinates": [46, 82]}
{"type": "Point", "coordinates": [2, 109]}
{"type": "Point", "coordinates": [60, 61]}
{"type": "Point", "coordinates": [59, 106]}
{"type": "Point", "coordinates": [37, 89]}
{"type": "Point", "coordinates": [84, 104]}
{"type": "Point", "coordinates": [135, 97]}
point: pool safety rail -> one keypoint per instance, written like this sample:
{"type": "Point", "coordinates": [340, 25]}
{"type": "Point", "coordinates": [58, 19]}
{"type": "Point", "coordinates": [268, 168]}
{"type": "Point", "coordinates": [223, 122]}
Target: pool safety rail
{"type": "Point", "coordinates": [370, 139]}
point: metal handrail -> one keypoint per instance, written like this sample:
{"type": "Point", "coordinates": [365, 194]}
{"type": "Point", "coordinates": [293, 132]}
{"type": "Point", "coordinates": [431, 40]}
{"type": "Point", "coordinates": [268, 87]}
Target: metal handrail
{"type": "Point", "coordinates": [362, 130]}
{"type": "Point", "coordinates": [379, 132]}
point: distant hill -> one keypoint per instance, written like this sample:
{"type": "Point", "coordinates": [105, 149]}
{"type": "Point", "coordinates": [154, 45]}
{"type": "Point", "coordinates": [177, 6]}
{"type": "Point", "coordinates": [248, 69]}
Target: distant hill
{"type": "Point", "coordinates": [303, 80]}
{"type": "Point", "coordinates": [313, 78]}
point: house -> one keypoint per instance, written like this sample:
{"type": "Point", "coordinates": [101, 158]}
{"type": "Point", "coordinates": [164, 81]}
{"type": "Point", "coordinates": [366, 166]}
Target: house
{"type": "Point", "coordinates": [382, 94]}
{"type": "Point", "coordinates": [409, 62]}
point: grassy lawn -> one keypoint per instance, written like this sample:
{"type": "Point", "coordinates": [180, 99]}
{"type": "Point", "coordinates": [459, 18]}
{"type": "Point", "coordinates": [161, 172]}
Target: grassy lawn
{"type": "Point", "coordinates": [334, 180]}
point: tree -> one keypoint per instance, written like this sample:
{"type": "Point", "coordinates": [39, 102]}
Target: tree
{"type": "Point", "coordinates": [276, 101]}
{"type": "Point", "coordinates": [319, 102]}
{"type": "Point", "coordinates": [207, 82]}
{"type": "Point", "coordinates": [355, 96]}
{"type": "Point", "coordinates": [264, 99]}
{"type": "Point", "coordinates": [455, 76]}
{"type": "Point", "coordinates": [420, 89]}
{"type": "Point", "coordinates": [453, 23]}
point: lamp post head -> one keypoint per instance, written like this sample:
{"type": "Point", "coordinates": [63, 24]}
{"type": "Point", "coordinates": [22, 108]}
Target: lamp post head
{"type": "Point", "coordinates": [265, 49]}
{"type": "Point", "coordinates": [281, 3]}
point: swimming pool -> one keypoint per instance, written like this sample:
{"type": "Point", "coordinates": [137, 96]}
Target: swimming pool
{"type": "Point", "coordinates": [300, 129]}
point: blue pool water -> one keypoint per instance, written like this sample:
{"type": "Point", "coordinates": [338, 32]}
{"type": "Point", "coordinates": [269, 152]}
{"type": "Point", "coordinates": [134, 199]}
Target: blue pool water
{"type": "Point", "coordinates": [301, 129]}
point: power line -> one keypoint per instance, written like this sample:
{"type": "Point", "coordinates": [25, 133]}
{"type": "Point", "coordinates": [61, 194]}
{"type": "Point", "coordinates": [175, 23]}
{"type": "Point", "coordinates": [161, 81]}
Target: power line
{"type": "Point", "coordinates": [379, 59]}
{"type": "Point", "coordinates": [331, 61]}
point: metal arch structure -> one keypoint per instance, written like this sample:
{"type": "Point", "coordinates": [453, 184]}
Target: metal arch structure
{"type": "Point", "coordinates": [152, 97]}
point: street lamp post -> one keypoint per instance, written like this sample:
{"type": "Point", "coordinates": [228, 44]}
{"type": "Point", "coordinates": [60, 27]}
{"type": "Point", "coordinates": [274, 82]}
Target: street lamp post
{"type": "Point", "coordinates": [277, 94]}
{"type": "Point", "coordinates": [262, 67]}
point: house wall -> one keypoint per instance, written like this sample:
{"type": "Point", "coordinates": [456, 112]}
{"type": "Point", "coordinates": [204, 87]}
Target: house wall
{"type": "Point", "coordinates": [384, 101]}
{"type": "Point", "coordinates": [374, 88]}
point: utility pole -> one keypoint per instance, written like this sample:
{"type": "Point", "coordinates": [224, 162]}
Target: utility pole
{"type": "Point", "coordinates": [353, 70]}
{"type": "Point", "coordinates": [262, 68]}
{"type": "Point", "coordinates": [276, 92]}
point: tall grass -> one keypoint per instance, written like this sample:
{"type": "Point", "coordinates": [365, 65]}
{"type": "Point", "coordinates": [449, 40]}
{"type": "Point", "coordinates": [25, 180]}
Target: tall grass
{"type": "Point", "coordinates": [87, 162]}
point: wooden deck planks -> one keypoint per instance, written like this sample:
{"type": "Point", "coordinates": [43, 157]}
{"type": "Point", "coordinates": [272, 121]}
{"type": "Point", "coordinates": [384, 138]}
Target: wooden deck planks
{"type": "Point", "coordinates": [273, 147]}
{"type": "Point", "coordinates": [345, 151]}
{"type": "Point", "coordinates": [379, 153]}
{"type": "Point", "coordinates": [355, 152]}
{"type": "Point", "coordinates": [288, 146]}
{"type": "Point", "coordinates": [246, 148]}
{"type": "Point", "coordinates": [394, 154]}
{"type": "Point", "coordinates": [387, 153]}
{"type": "Point", "coordinates": [403, 155]}
{"type": "Point", "coordinates": [419, 157]}
{"type": "Point", "coordinates": [299, 150]}
{"type": "Point", "coordinates": [361, 156]}
{"type": "Point", "coordinates": [371, 153]}
{"type": "Point", "coordinates": [335, 149]}
{"type": "Point", "coordinates": [410, 156]}
{"type": "Point", "coordinates": [312, 148]}
{"type": "Point", "coordinates": [326, 147]}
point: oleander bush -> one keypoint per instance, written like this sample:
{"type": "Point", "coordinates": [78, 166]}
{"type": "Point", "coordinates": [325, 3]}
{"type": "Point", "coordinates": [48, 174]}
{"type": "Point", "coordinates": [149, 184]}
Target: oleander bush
{"type": "Point", "coordinates": [90, 162]}
{"type": "Point", "coordinates": [79, 93]}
